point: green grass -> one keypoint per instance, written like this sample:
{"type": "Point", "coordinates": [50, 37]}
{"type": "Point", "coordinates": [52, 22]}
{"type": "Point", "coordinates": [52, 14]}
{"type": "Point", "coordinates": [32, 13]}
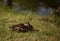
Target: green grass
{"type": "Point", "coordinates": [45, 30]}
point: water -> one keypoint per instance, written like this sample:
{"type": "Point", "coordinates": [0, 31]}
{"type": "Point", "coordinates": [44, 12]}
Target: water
{"type": "Point", "coordinates": [44, 10]}
{"type": "Point", "coordinates": [18, 8]}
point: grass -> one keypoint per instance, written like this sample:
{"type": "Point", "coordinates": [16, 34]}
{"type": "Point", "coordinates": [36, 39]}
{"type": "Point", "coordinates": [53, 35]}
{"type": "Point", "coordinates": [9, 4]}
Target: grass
{"type": "Point", "coordinates": [45, 29]}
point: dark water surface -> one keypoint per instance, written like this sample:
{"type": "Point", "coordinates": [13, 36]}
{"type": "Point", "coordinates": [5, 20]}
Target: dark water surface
{"type": "Point", "coordinates": [43, 10]}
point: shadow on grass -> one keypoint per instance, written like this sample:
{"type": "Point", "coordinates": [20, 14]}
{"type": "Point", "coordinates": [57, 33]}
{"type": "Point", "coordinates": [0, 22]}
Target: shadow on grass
{"type": "Point", "coordinates": [30, 31]}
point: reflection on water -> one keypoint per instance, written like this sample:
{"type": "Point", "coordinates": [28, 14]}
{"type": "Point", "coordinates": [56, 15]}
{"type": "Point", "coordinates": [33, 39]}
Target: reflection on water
{"type": "Point", "coordinates": [44, 10]}
{"type": "Point", "coordinates": [18, 8]}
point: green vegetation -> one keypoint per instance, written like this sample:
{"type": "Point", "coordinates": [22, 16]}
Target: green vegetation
{"type": "Point", "coordinates": [45, 28]}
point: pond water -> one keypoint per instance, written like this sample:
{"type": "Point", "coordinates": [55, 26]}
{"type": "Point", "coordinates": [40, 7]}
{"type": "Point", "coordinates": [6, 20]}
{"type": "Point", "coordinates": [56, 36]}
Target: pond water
{"type": "Point", "coordinates": [43, 10]}
{"type": "Point", "coordinates": [18, 8]}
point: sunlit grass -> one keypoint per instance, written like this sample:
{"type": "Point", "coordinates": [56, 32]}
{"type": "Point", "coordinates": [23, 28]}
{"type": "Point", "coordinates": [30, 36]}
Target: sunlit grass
{"type": "Point", "coordinates": [45, 30]}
